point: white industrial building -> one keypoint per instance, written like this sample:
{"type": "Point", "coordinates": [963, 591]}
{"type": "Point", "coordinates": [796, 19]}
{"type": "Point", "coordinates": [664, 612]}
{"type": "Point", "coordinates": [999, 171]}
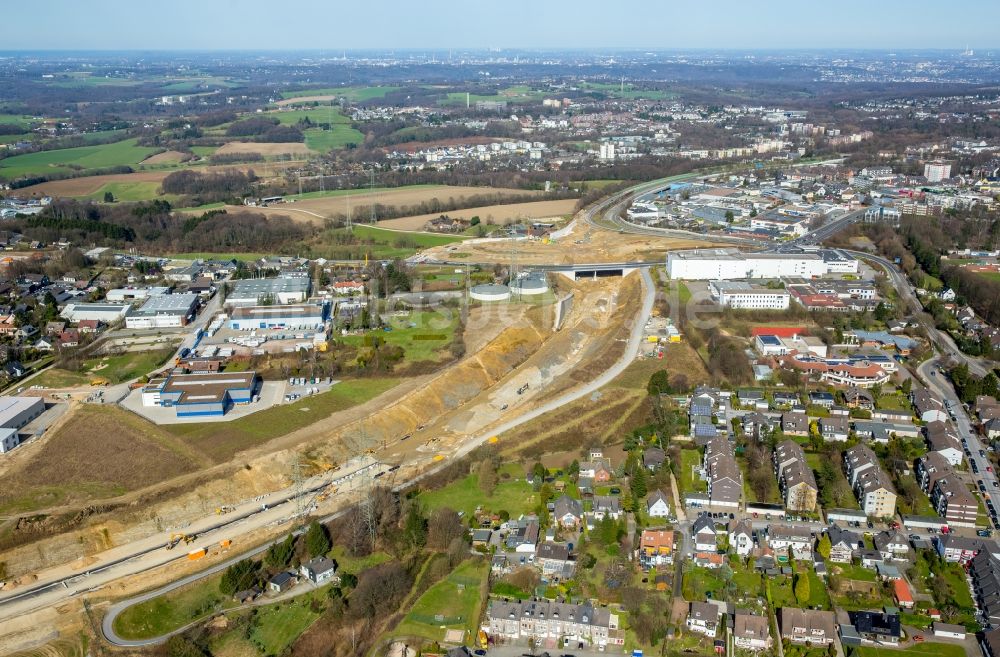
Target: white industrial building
{"type": "Point", "coordinates": [102, 312]}
{"type": "Point", "coordinates": [302, 316]}
{"type": "Point", "coordinates": [284, 290]}
{"type": "Point", "coordinates": [15, 412]}
{"type": "Point", "coordinates": [130, 294]}
{"type": "Point", "coordinates": [164, 311]}
{"type": "Point", "coordinates": [731, 264]}
{"type": "Point", "coordinates": [742, 295]}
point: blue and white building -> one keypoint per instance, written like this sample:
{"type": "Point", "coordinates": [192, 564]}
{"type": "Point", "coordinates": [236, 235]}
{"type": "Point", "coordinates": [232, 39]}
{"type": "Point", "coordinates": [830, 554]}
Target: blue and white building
{"type": "Point", "coordinates": [202, 394]}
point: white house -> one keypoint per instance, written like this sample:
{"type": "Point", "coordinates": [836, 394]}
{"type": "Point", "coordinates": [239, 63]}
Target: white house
{"type": "Point", "coordinates": [741, 538]}
{"type": "Point", "coordinates": [703, 618]}
{"type": "Point", "coordinates": [657, 505]}
{"type": "Point", "coordinates": [705, 534]}
{"type": "Point", "coordinates": [799, 539]}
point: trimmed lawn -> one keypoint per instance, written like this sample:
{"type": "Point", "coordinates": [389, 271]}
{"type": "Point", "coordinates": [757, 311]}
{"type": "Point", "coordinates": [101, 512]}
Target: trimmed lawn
{"type": "Point", "coordinates": [699, 582]}
{"type": "Point", "coordinates": [355, 565]}
{"type": "Point", "coordinates": [277, 626]}
{"type": "Point", "coordinates": [422, 335]}
{"type": "Point", "coordinates": [452, 603]}
{"type": "Point", "coordinates": [513, 496]}
{"type": "Point", "coordinates": [895, 402]}
{"type": "Point", "coordinates": [690, 482]}
{"type": "Point", "coordinates": [66, 160]}
{"type": "Point", "coordinates": [220, 440]}
{"type": "Point", "coordinates": [917, 650]}
{"type": "Point", "coordinates": [853, 571]}
{"type": "Point", "coordinates": [175, 609]}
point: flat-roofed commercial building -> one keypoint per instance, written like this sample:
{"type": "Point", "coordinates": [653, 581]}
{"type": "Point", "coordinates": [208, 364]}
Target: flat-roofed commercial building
{"type": "Point", "coordinates": [283, 290]}
{"type": "Point", "coordinates": [746, 296]}
{"type": "Point", "coordinates": [731, 264]}
{"type": "Point", "coordinates": [164, 311]}
{"type": "Point", "coordinates": [300, 316]}
{"type": "Point", "coordinates": [201, 394]}
{"type": "Point", "coordinates": [15, 412]}
{"type": "Point", "coordinates": [101, 312]}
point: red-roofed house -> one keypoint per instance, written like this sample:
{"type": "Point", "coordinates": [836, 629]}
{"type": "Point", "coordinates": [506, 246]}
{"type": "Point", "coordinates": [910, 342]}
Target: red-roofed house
{"type": "Point", "coordinates": [901, 591]}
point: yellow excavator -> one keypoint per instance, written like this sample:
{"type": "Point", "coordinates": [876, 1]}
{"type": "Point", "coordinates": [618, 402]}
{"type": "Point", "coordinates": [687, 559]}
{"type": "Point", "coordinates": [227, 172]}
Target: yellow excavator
{"type": "Point", "coordinates": [176, 538]}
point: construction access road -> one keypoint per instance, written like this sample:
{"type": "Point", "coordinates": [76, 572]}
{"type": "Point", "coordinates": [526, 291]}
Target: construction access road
{"type": "Point", "coordinates": [57, 585]}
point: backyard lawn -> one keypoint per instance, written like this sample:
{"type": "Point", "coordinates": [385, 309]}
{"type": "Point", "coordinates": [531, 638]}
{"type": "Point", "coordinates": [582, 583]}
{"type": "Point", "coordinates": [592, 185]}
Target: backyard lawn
{"type": "Point", "coordinates": [689, 481]}
{"type": "Point", "coordinates": [452, 603]}
{"type": "Point", "coordinates": [513, 496]}
{"type": "Point", "coordinates": [276, 626]}
{"type": "Point", "coordinates": [917, 650]}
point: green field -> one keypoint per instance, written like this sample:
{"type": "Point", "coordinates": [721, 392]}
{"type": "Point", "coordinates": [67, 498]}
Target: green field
{"type": "Point", "coordinates": [204, 151]}
{"type": "Point", "coordinates": [324, 114]}
{"type": "Point", "coordinates": [10, 139]}
{"type": "Point", "coordinates": [515, 94]}
{"type": "Point", "coordinates": [19, 119]}
{"type": "Point", "coordinates": [361, 190]}
{"type": "Point", "coordinates": [116, 369]}
{"type": "Point", "coordinates": [172, 610]}
{"type": "Point", "coordinates": [276, 626]}
{"type": "Point", "coordinates": [379, 243]}
{"type": "Point", "coordinates": [338, 136]}
{"type": "Point", "coordinates": [630, 92]}
{"type": "Point", "coordinates": [916, 650]}
{"type": "Point", "coordinates": [357, 94]}
{"type": "Point", "coordinates": [514, 497]}
{"type": "Point", "coordinates": [66, 160]}
{"type": "Point", "coordinates": [452, 603]}
{"type": "Point", "coordinates": [990, 275]}
{"type": "Point", "coordinates": [220, 440]}
{"type": "Point", "coordinates": [421, 335]}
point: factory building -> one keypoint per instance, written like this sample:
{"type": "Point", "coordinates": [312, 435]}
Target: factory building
{"type": "Point", "coordinates": [731, 264]}
{"type": "Point", "coordinates": [300, 316]}
{"type": "Point", "coordinates": [164, 311]}
{"type": "Point", "coordinates": [282, 290]}
{"type": "Point", "coordinates": [202, 394]}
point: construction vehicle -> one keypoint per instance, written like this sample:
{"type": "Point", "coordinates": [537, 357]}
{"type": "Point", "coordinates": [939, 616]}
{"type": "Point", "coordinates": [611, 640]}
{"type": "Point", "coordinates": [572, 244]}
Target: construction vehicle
{"type": "Point", "coordinates": [100, 381]}
{"type": "Point", "coordinates": [194, 555]}
{"type": "Point", "coordinates": [177, 538]}
{"type": "Point", "coordinates": [483, 640]}
{"type": "Point", "coordinates": [225, 509]}
{"type": "Point", "coordinates": [439, 457]}
{"type": "Point", "coordinates": [493, 440]}
{"type": "Point", "coordinates": [225, 543]}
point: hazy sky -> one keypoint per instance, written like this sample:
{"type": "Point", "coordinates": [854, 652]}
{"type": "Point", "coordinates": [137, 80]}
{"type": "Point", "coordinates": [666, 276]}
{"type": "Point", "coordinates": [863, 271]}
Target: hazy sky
{"type": "Point", "coordinates": [543, 24]}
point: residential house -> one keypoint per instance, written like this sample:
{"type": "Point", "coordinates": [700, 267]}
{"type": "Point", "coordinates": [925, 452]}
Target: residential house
{"type": "Point", "coordinates": [795, 423]}
{"type": "Point", "coordinates": [822, 399]}
{"type": "Point", "coordinates": [928, 406]}
{"type": "Point", "coordinates": [598, 471]}
{"type": "Point", "coordinates": [856, 397]}
{"type": "Point", "coordinates": [656, 548]}
{"type": "Point", "coordinates": [741, 537]}
{"type": "Point", "coordinates": [522, 537]}
{"type": "Point", "coordinates": [705, 534]}
{"type": "Point", "coordinates": [555, 561]}
{"type": "Point", "coordinates": [318, 570]}
{"type": "Point", "coordinates": [892, 415]}
{"type": "Point", "coordinates": [871, 485]}
{"type": "Point", "coordinates": [751, 632]}
{"type": "Point", "coordinates": [798, 539]}
{"type": "Point", "coordinates": [657, 505]}
{"type": "Point", "coordinates": [808, 626]}
{"type": "Point", "coordinates": [725, 479]}
{"type": "Point", "coordinates": [548, 621]}
{"type": "Point", "coordinates": [984, 569]}
{"type": "Point", "coordinates": [710, 560]}
{"type": "Point", "coordinates": [929, 468]}
{"type": "Point", "coordinates": [844, 544]}
{"type": "Point", "coordinates": [953, 501]}
{"type": "Point", "coordinates": [834, 429]}
{"type": "Point", "coordinates": [795, 477]}
{"type": "Point", "coordinates": [942, 438]}
{"type": "Point", "coordinates": [783, 398]}
{"type": "Point", "coordinates": [892, 545]}
{"type": "Point", "coordinates": [607, 506]}
{"type": "Point", "coordinates": [653, 458]}
{"type": "Point", "coordinates": [703, 617]}
{"type": "Point", "coordinates": [876, 627]}
{"type": "Point", "coordinates": [567, 512]}
{"type": "Point", "coordinates": [962, 549]}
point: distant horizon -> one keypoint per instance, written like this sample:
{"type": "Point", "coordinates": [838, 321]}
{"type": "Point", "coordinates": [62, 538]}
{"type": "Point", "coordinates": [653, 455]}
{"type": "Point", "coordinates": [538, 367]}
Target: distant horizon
{"type": "Point", "coordinates": [594, 50]}
{"type": "Point", "coordinates": [317, 25]}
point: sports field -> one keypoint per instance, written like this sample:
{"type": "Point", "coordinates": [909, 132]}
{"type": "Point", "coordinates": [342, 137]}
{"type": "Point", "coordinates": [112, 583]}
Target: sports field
{"type": "Point", "coordinates": [66, 160]}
